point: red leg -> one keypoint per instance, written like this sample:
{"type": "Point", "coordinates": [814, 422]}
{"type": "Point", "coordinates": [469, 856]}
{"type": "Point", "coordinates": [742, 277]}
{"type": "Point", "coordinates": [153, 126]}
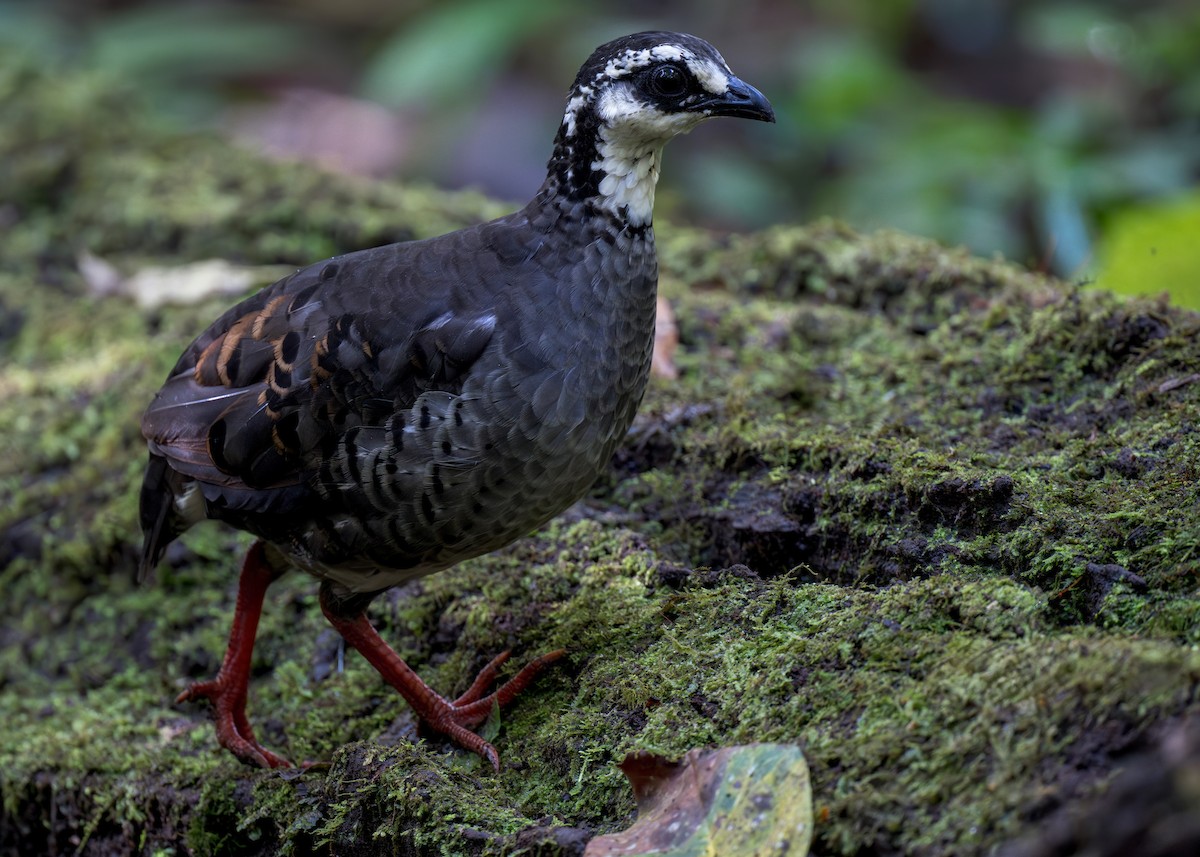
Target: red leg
{"type": "Point", "coordinates": [228, 690]}
{"type": "Point", "coordinates": [452, 719]}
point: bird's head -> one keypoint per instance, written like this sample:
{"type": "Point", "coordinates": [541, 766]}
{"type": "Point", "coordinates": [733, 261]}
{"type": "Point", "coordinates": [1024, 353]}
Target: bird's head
{"type": "Point", "coordinates": [630, 97]}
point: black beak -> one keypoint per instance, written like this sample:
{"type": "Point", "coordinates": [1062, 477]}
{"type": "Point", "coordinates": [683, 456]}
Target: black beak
{"type": "Point", "coordinates": [741, 100]}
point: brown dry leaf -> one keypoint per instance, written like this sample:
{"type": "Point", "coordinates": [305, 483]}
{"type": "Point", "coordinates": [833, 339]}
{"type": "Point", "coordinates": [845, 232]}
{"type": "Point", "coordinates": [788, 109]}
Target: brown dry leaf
{"type": "Point", "coordinates": [666, 340]}
{"type": "Point", "coordinates": [734, 802]}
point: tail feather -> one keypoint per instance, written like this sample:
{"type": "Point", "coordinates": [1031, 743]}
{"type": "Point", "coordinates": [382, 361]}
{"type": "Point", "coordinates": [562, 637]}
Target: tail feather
{"type": "Point", "coordinates": [160, 519]}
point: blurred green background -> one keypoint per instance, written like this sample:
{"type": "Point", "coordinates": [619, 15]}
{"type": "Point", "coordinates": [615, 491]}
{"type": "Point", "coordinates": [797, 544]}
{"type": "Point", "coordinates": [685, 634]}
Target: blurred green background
{"type": "Point", "coordinates": [1062, 135]}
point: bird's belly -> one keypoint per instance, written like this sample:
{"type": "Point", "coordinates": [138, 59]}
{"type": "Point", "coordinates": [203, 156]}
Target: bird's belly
{"type": "Point", "coordinates": [469, 474]}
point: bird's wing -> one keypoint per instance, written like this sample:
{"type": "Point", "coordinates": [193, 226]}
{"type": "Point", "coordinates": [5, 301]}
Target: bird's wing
{"type": "Point", "coordinates": [265, 393]}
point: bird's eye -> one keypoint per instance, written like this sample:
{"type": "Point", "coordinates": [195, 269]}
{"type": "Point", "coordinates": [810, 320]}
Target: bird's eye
{"type": "Point", "coordinates": [668, 81]}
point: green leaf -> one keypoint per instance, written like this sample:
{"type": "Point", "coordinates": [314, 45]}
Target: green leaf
{"type": "Point", "coordinates": [740, 801]}
{"type": "Point", "coordinates": [187, 41]}
{"type": "Point", "coordinates": [1154, 248]}
{"type": "Point", "coordinates": [445, 55]}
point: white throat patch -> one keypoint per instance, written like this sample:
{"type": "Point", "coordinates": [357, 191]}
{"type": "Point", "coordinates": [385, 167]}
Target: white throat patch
{"type": "Point", "coordinates": [629, 150]}
{"type": "Point", "coordinates": [630, 177]}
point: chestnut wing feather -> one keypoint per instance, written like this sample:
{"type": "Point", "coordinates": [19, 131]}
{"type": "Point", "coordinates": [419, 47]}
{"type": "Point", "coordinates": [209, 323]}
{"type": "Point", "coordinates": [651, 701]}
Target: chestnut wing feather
{"type": "Point", "coordinates": [263, 396]}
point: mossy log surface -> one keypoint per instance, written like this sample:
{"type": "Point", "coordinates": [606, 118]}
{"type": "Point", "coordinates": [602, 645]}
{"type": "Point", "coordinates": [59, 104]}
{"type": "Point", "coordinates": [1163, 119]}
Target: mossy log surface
{"type": "Point", "coordinates": [934, 519]}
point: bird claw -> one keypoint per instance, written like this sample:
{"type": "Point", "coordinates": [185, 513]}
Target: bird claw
{"type": "Point", "coordinates": [483, 680]}
{"type": "Point", "coordinates": [456, 719]}
{"type": "Point", "coordinates": [233, 728]}
{"type": "Point", "coordinates": [453, 719]}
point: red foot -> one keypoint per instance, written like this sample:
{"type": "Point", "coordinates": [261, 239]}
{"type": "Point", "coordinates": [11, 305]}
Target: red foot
{"type": "Point", "coordinates": [456, 719]}
{"type": "Point", "coordinates": [233, 729]}
{"type": "Point", "coordinates": [228, 690]}
{"type": "Point", "coordinates": [453, 719]}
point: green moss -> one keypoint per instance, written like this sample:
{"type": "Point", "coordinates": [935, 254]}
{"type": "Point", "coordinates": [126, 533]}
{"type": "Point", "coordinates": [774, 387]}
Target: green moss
{"type": "Point", "coordinates": [942, 698]}
{"type": "Point", "coordinates": [933, 518]}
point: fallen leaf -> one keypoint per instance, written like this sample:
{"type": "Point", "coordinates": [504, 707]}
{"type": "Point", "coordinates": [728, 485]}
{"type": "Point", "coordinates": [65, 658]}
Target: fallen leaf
{"type": "Point", "coordinates": [187, 284]}
{"type": "Point", "coordinates": [748, 801]}
{"type": "Point", "coordinates": [100, 277]}
{"type": "Point", "coordinates": [154, 286]}
{"type": "Point", "coordinates": [666, 341]}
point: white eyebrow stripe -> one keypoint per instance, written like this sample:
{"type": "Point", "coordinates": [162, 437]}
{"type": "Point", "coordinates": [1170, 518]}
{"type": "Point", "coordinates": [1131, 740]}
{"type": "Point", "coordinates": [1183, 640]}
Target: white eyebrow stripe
{"type": "Point", "coordinates": [632, 60]}
{"type": "Point", "coordinates": [711, 75]}
{"type": "Point", "coordinates": [670, 52]}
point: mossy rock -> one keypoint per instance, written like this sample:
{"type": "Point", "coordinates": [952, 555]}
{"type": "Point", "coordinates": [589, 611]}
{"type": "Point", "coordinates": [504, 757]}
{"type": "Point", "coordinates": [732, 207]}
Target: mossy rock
{"type": "Point", "coordinates": [930, 517]}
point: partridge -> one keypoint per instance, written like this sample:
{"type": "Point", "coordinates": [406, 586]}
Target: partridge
{"type": "Point", "coordinates": [383, 415]}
